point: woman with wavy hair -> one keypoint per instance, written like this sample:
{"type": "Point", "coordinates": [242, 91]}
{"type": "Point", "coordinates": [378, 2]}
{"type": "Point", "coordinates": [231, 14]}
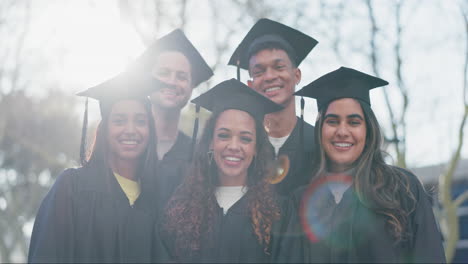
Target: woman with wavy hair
{"type": "Point", "coordinates": [226, 210]}
{"type": "Point", "coordinates": [103, 211]}
{"type": "Point", "coordinates": [358, 208]}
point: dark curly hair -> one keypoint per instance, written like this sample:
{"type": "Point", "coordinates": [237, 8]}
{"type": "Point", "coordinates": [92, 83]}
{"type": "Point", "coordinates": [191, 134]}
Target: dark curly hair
{"type": "Point", "coordinates": [383, 188]}
{"type": "Point", "coordinates": [190, 212]}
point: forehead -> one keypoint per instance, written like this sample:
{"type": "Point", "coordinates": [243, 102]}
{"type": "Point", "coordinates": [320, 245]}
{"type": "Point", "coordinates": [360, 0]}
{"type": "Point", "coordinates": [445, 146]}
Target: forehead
{"type": "Point", "coordinates": [128, 107]}
{"type": "Point", "coordinates": [236, 120]}
{"type": "Point", "coordinates": [174, 60]}
{"type": "Point", "coordinates": [268, 56]}
{"type": "Point", "coordinates": [344, 106]}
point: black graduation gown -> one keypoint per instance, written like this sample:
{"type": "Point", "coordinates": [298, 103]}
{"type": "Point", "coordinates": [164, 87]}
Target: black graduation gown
{"type": "Point", "coordinates": [233, 239]}
{"type": "Point", "coordinates": [300, 169]}
{"type": "Point", "coordinates": [352, 233]}
{"type": "Point", "coordinates": [86, 217]}
{"type": "Point", "coordinates": [172, 168]}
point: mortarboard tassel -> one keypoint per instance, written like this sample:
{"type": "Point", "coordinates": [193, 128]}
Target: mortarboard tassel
{"type": "Point", "coordinates": [238, 70]}
{"type": "Point", "coordinates": [83, 158]}
{"type": "Point", "coordinates": [302, 124]}
{"type": "Point", "coordinates": [195, 130]}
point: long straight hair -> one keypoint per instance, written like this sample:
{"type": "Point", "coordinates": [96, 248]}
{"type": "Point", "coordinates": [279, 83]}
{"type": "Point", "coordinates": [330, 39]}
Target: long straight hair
{"type": "Point", "coordinates": [99, 156]}
{"type": "Point", "coordinates": [383, 188]}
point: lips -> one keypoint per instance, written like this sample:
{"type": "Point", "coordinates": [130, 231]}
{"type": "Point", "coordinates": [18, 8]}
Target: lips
{"type": "Point", "coordinates": [271, 89]}
{"type": "Point", "coordinates": [232, 161]}
{"type": "Point", "coordinates": [169, 92]}
{"type": "Point", "coordinates": [342, 145]}
{"type": "Point", "coordinates": [129, 144]}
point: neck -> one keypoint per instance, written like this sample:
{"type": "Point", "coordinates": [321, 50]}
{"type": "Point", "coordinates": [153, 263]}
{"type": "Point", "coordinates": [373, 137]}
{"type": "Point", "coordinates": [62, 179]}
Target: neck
{"type": "Point", "coordinates": [125, 168]}
{"type": "Point", "coordinates": [281, 123]}
{"type": "Point", "coordinates": [166, 123]}
{"type": "Point", "coordinates": [239, 180]}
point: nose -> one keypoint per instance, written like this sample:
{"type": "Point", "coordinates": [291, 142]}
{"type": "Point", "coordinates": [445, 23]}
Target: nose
{"type": "Point", "coordinates": [130, 128]}
{"type": "Point", "coordinates": [342, 131]}
{"type": "Point", "coordinates": [234, 144]}
{"type": "Point", "coordinates": [270, 74]}
{"type": "Point", "coordinates": [170, 79]}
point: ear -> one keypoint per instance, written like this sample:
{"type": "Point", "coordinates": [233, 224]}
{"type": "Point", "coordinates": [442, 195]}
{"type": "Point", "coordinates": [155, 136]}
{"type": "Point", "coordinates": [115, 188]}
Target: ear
{"type": "Point", "coordinates": [249, 83]}
{"type": "Point", "coordinates": [297, 75]}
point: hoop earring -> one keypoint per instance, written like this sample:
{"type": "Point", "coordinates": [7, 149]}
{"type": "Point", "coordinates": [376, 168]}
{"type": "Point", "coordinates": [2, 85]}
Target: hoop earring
{"type": "Point", "coordinates": [210, 156]}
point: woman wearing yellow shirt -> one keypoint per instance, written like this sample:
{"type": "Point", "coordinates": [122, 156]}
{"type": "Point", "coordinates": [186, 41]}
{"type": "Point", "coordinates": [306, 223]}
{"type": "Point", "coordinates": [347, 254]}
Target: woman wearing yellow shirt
{"type": "Point", "coordinates": [102, 212]}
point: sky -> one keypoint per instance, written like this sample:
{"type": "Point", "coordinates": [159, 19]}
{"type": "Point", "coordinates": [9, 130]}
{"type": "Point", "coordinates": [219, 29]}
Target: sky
{"type": "Point", "coordinates": [82, 43]}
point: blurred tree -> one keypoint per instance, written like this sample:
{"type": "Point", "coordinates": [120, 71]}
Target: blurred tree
{"type": "Point", "coordinates": [448, 215]}
{"type": "Point", "coordinates": [38, 139]}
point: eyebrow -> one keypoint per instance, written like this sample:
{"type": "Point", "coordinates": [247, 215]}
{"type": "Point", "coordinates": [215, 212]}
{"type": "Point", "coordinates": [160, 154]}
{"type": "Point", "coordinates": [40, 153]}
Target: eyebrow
{"type": "Point", "coordinates": [228, 130]}
{"type": "Point", "coordinates": [275, 61]}
{"type": "Point", "coordinates": [348, 116]}
{"type": "Point", "coordinates": [247, 132]}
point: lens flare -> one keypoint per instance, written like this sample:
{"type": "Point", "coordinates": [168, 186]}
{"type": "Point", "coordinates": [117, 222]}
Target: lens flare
{"type": "Point", "coordinates": [318, 205]}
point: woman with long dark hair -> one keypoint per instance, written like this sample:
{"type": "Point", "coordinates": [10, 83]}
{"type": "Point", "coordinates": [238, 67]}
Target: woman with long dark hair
{"type": "Point", "coordinates": [102, 211]}
{"type": "Point", "coordinates": [225, 210]}
{"type": "Point", "coordinates": [358, 208]}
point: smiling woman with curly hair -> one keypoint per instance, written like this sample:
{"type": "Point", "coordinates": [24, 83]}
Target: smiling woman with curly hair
{"type": "Point", "coordinates": [225, 210]}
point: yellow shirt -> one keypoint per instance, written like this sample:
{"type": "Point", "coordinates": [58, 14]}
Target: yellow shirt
{"type": "Point", "coordinates": [130, 188]}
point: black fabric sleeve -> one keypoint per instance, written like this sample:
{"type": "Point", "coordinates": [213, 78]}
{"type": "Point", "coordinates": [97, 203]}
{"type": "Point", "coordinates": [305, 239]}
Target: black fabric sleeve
{"type": "Point", "coordinates": [52, 237]}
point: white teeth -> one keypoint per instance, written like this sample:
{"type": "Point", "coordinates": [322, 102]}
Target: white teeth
{"type": "Point", "coordinates": [343, 145]}
{"type": "Point", "coordinates": [129, 142]}
{"type": "Point", "coordinates": [272, 89]}
{"type": "Point", "coordinates": [232, 158]}
{"type": "Point", "coordinates": [169, 92]}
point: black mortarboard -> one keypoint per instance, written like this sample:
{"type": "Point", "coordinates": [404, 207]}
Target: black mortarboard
{"type": "Point", "coordinates": [126, 85]}
{"type": "Point", "coordinates": [176, 41]}
{"type": "Point", "coordinates": [233, 94]}
{"type": "Point", "coordinates": [294, 42]}
{"type": "Point", "coordinates": [341, 83]}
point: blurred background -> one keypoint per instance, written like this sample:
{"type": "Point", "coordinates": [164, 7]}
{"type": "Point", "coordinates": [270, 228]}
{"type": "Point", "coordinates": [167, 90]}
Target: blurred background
{"type": "Point", "coordinates": [52, 49]}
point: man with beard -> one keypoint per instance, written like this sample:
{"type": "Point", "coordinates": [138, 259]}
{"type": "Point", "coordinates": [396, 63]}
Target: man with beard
{"type": "Point", "coordinates": [174, 60]}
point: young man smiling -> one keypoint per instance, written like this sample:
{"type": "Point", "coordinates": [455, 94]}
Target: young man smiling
{"type": "Point", "coordinates": [272, 52]}
{"type": "Point", "coordinates": [174, 60]}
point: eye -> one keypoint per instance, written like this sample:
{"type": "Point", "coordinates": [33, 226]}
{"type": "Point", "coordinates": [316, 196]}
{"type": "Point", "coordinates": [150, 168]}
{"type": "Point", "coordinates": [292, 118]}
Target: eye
{"type": "Point", "coordinates": [182, 76]}
{"type": "Point", "coordinates": [118, 121]}
{"type": "Point", "coordinates": [161, 72]}
{"type": "Point", "coordinates": [331, 121]}
{"type": "Point", "coordinates": [223, 136]}
{"type": "Point", "coordinates": [257, 72]}
{"type": "Point", "coordinates": [355, 122]}
{"type": "Point", "coordinates": [246, 139]}
{"type": "Point", "coordinates": [279, 67]}
{"type": "Point", "coordinates": [141, 121]}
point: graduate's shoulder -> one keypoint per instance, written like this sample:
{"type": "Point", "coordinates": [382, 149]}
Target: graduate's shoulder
{"type": "Point", "coordinates": [415, 184]}
{"type": "Point", "coordinates": [71, 177]}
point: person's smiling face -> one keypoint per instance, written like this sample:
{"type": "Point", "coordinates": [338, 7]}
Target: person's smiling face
{"type": "Point", "coordinates": [274, 75]}
{"type": "Point", "coordinates": [128, 130]}
{"type": "Point", "coordinates": [173, 68]}
{"type": "Point", "coordinates": [343, 133]}
{"type": "Point", "coordinates": [234, 146]}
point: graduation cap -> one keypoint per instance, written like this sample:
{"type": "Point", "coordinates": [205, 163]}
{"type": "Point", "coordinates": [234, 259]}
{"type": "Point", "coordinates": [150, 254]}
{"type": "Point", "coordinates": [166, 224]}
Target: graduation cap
{"type": "Point", "coordinates": [265, 32]}
{"type": "Point", "coordinates": [341, 83]}
{"type": "Point", "coordinates": [233, 94]}
{"type": "Point", "coordinates": [175, 41]}
{"type": "Point", "coordinates": [126, 85]}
